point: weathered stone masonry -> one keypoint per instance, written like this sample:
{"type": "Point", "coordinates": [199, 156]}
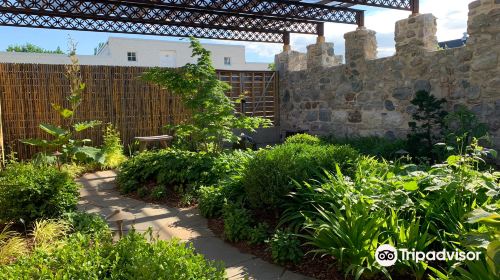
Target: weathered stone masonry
{"type": "Point", "coordinates": [369, 96]}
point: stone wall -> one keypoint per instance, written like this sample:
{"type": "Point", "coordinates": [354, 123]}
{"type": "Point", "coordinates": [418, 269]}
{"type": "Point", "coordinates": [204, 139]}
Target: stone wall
{"type": "Point", "coordinates": [368, 96]}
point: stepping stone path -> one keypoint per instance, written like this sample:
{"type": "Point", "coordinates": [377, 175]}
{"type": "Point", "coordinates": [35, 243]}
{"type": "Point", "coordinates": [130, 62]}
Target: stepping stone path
{"type": "Point", "coordinates": [99, 195]}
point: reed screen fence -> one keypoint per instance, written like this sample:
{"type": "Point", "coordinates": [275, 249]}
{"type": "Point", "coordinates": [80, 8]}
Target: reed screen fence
{"type": "Point", "coordinates": [114, 94]}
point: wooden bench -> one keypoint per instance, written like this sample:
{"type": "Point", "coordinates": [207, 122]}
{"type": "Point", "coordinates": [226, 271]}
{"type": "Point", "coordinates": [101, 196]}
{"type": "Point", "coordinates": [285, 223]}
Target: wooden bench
{"type": "Point", "coordinates": [164, 140]}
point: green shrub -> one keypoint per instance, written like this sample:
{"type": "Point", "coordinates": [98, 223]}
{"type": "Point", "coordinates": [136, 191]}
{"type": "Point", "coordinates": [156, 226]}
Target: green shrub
{"type": "Point", "coordinates": [258, 234]}
{"type": "Point", "coordinates": [82, 257]}
{"type": "Point", "coordinates": [31, 192]}
{"type": "Point", "coordinates": [270, 174]}
{"type": "Point", "coordinates": [170, 260]}
{"type": "Point", "coordinates": [285, 247]}
{"type": "Point", "coordinates": [236, 222]}
{"type": "Point", "coordinates": [87, 223]}
{"type": "Point", "coordinates": [158, 192]}
{"type": "Point", "coordinates": [142, 192]}
{"type": "Point", "coordinates": [112, 147]}
{"type": "Point", "coordinates": [210, 201]}
{"type": "Point", "coordinates": [303, 139]}
{"type": "Point", "coordinates": [167, 167]}
{"type": "Point", "coordinates": [372, 145]}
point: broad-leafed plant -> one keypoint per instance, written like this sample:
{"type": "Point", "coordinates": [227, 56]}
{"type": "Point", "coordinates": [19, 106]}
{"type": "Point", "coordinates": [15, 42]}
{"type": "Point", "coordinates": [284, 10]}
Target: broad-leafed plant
{"type": "Point", "coordinates": [63, 136]}
{"type": "Point", "coordinates": [213, 116]}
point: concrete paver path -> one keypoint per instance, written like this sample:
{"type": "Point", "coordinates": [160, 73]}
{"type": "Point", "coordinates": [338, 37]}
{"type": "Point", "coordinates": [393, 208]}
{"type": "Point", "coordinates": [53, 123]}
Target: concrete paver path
{"type": "Point", "coordinates": [99, 195]}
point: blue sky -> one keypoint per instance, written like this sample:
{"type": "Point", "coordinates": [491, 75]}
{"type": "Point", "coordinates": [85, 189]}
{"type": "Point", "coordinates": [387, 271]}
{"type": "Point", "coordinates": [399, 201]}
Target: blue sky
{"type": "Point", "coordinates": [451, 14]}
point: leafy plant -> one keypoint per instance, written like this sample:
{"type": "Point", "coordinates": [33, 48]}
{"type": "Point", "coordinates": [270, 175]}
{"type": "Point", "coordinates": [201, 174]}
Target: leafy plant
{"type": "Point", "coordinates": [64, 141]}
{"type": "Point", "coordinates": [31, 192]}
{"type": "Point", "coordinates": [258, 234]}
{"type": "Point", "coordinates": [158, 192]}
{"type": "Point", "coordinates": [426, 127]}
{"type": "Point", "coordinates": [112, 147]}
{"type": "Point", "coordinates": [210, 201]}
{"type": "Point", "coordinates": [168, 167]}
{"type": "Point", "coordinates": [303, 139]}
{"type": "Point", "coordinates": [203, 94]}
{"type": "Point", "coordinates": [270, 174]}
{"type": "Point", "coordinates": [461, 127]}
{"type": "Point", "coordinates": [86, 223]}
{"type": "Point", "coordinates": [170, 260]}
{"type": "Point", "coordinates": [487, 238]}
{"type": "Point", "coordinates": [83, 256]}
{"type": "Point", "coordinates": [143, 192]}
{"type": "Point", "coordinates": [285, 247]}
{"type": "Point", "coordinates": [237, 222]}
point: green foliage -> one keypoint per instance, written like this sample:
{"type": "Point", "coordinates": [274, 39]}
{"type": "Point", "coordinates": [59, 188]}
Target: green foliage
{"type": "Point", "coordinates": [258, 234]}
{"type": "Point", "coordinates": [342, 234]}
{"type": "Point", "coordinates": [63, 141]}
{"type": "Point", "coordinates": [172, 167]}
{"type": "Point", "coordinates": [461, 127]}
{"type": "Point", "coordinates": [81, 256]}
{"type": "Point", "coordinates": [237, 222]}
{"type": "Point", "coordinates": [210, 201]}
{"type": "Point", "coordinates": [426, 127]}
{"type": "Point", "coordinates": [379, 147]}
{"type": "Point", "coordinates": [487, 237]}
{"type": "Point", "coordinates": [86, 223]}
{"type": "Point", "coordinates": [168, 167]}
{"type": "Point", "coordinates": [112, 147]}
{"type": "Point", "coordinates": [11, 245]}
{"type": "Point", "coordinates": [203, 94]}
{"type": "Point", "coordinates": [285, 247]}
{"type": "Point", "coordinates": [270, 174]}
{"type": "Point", "coordinates": [143, 192]}
{"type": "Point", "coordinates": [400, 204]}
{"type": "Point", "coordinates": [136, 258]}
{"type": "Point", "coordinates": [158, 192]}
{"type": "Point", "coordinates": [303, 139]}
{"type": "Point", "coordinates": [31, 192]}
{"type": "Point", "coordinates": [31, 48]}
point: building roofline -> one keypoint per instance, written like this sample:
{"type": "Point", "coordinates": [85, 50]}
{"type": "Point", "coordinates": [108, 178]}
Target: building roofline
{"type": "Point", "coordinates": [168, 41]}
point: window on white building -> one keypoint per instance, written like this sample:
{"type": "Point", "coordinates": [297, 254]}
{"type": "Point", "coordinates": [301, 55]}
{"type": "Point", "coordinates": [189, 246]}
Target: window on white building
{"type": "Point", "coordinates": [227, 61]}
{"type": "Point", "coordinates": [131, 56]}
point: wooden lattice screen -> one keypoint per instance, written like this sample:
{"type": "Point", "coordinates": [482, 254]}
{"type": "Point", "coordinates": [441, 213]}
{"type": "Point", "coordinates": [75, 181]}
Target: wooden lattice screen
{"type": "Point", "coordinates": [114, 95]}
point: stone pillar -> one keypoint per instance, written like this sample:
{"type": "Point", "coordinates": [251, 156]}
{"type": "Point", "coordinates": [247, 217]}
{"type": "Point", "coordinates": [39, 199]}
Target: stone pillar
{"type": "Point", "coordinates": [290, 61]}
{"type": "Point", "coordinates": [322, 54]}
{"type": "Point", "coordinates": [416, 34]}
{"type": "Point", "coordinates": [360, 45]}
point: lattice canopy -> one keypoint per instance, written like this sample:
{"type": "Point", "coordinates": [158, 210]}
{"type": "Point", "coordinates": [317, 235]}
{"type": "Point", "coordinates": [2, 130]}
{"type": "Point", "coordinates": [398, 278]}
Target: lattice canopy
{"type": "Point", "coordinates": [242, 20]}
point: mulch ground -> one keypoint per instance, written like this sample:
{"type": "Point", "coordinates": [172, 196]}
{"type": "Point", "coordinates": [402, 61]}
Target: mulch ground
{"type": "Point", "coordinates": [321, 268]}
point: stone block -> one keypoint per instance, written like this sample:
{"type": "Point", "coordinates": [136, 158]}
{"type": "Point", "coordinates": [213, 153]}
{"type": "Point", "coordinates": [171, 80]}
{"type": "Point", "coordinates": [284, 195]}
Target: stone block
{"type": "Point", "coordinates": [416, 34]}
{"type": "Point", "coordinates": [360, 45]}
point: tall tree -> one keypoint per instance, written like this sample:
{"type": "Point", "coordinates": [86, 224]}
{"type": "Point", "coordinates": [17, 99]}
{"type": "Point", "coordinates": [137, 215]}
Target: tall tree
{"type": "Point", "coordinates": [31, 48]}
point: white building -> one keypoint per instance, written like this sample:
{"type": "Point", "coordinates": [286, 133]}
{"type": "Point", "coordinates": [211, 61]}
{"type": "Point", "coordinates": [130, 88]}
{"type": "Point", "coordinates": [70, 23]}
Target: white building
{"type": "Point", "coordinates": [144, 52]}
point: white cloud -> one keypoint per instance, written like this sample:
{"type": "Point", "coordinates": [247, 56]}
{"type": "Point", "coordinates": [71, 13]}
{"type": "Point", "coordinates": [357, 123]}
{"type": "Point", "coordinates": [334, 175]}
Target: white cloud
{"type": "Point", "coordinates": [452, 22]}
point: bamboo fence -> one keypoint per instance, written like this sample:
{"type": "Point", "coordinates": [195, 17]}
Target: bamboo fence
{"type": "Point", "coordinates": [113, 94]}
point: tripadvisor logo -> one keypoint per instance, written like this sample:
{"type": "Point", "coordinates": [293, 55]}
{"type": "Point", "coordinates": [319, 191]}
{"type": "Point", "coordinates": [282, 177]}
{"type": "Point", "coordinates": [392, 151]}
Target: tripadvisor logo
{"type": "Point", "coordinates": [387, 255]}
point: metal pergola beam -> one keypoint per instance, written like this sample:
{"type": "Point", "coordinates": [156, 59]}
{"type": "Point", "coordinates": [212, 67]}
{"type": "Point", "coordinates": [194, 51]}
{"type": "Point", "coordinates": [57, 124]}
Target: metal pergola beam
{"type": "Point", "coordinates": [261, 8]}
{"type": "Point", "coordinates": [246, 20]}
{"type": "Point", "coordinates": [406, 5]}
{"type": "Point", "coordinates": [150, 14]}
{"type": "Point", "coordinates": [65, 23]}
